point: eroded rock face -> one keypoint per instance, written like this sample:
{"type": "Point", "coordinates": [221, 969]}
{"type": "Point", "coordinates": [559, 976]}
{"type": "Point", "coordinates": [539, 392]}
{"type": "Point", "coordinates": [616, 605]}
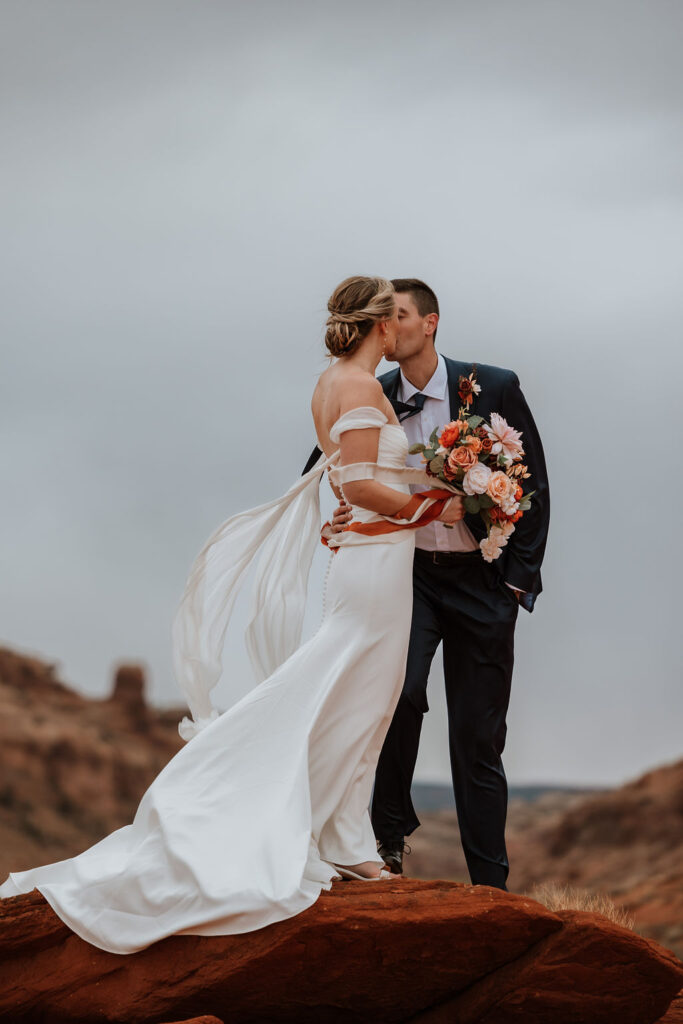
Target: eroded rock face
{"type": "Point", "coordinates": [72, 769]}
{"type": "Point", "coordinates": [197, 1020]}
{"type": "Point", "coordinates": [674, 1015]}
{"type": "Point", "coordinates": [627, 843]}
{"type": "Point", "coordinates": [391, 951]}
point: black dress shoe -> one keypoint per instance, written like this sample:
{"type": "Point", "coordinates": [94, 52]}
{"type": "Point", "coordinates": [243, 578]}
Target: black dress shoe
{"type": "Point", "coordinates": [391, 851]}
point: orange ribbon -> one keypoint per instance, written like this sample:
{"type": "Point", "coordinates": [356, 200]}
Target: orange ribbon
{"type": "Point", "coordinates": [384, 526]}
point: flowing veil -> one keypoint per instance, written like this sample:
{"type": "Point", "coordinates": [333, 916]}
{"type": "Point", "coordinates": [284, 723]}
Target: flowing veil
{"type": "Point", "coordinates": [284, 533]}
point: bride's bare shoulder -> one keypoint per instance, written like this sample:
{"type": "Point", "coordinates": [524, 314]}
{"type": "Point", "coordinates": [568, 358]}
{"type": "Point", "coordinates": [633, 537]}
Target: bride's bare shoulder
{"type": "Point", "coordinates": [340, 389]}
{"type": "Point", "coordinates": [359, 388]}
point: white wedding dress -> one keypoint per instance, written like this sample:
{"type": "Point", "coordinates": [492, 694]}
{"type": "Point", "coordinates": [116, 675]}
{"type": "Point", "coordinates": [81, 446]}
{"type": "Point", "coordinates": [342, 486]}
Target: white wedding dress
{"type": "Point", "coordinates": [243, 826]}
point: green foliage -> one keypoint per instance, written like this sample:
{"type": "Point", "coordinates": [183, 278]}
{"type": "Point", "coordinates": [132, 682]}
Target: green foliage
{"type": "Point", "coordinates": [472, 503]}
{"type": "Point", "coordinates": [415, 449]}
{"type": "Point", "coordinates": [525, 501]}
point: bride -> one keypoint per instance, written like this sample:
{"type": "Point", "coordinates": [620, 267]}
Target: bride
{"type": "Point", "coordinates": [267, 803]}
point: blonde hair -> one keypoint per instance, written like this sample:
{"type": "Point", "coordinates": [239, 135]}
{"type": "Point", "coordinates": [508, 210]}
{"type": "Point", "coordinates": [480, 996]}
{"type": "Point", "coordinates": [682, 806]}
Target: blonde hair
{"type": "Point", "coordinates": [355, 306]}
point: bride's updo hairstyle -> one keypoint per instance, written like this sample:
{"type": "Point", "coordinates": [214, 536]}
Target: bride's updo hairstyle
{"type": "Point", "coordinates": [355, 306]}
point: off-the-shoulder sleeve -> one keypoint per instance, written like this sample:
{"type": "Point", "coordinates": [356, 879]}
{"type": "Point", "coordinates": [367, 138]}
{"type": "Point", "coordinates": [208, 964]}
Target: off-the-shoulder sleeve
{"type": "Point", "coordinates": [357, 419]}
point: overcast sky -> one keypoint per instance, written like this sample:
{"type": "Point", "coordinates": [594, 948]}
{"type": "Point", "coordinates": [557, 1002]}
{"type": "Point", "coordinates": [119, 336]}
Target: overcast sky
{"type": "Point", "coordinates": [183, 185]}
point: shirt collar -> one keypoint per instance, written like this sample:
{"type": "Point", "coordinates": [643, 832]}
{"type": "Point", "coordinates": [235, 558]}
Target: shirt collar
{"type": "Point", "coordinates": [434, 388]}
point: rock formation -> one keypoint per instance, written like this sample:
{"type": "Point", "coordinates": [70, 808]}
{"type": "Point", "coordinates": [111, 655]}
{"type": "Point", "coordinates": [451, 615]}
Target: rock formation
{"type": "Point", "coordinates": [72, 769]}
{"type": "Point", "coordinates": [403, 950]}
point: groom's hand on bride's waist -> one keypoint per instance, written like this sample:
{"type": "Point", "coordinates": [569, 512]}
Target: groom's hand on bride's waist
{"type": "Point", "coordinates": [453, 511]}
{"type": "Point", "coordinates": [342, 517]}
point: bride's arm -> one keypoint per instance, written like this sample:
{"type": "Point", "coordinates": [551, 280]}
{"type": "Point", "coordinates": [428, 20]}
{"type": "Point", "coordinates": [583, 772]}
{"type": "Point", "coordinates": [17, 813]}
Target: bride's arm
{"type": "Point", "coordinates": [362, 445]}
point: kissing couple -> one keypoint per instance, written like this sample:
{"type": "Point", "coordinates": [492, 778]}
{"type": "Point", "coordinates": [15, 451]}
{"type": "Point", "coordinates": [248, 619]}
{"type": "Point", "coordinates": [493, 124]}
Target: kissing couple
{"type": "Point", "coordinates": [268, 803]}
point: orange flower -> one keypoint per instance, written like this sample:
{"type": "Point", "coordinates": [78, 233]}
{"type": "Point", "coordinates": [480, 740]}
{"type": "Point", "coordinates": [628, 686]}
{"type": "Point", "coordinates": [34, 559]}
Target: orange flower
{"type": "Point", "coordinates": [517, 515]}
{"type": "Point", "coordinates": [462, 458]}
{"type": "Point", "coordinates": [518, 494]}
{"type": "Point", "coordinates": [450, 433]}
{"type": "Point", "coordinates": [474, 443]}
{"type": "Point", "coordinates": [486, 445]}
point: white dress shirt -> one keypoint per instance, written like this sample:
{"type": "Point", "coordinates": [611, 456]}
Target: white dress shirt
{"type": "Point", "coordinates": [435, 413]}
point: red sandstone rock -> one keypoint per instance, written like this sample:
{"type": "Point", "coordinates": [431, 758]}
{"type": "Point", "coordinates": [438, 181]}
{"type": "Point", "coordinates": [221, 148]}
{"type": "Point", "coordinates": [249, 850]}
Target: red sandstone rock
{"type": "Point", "coordinates": [196, 1020]}
{"type": "Point", "coordinates": [674, 1015]}
{"type": "Point", "coordinates": [395, 951]}
{"type": "Point", "coordinates": [72, 769]}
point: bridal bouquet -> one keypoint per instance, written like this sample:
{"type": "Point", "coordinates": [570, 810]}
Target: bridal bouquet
{"type": "Point", "coordinates": [482, 461]}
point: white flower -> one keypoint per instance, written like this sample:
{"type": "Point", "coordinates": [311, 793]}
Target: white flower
{"type": "Point", "coordinates": [506, 439]}
{"type": "Point", "coordinates": [509, 506]}
{"type": "Point", "coordinates": [492, 545]}
{"type": "Point", "coordinates": [476, 479]}
{"type": "Point", "coordinates": [506, 528]}
{"type": "Point", "coordinates": [500, 535]}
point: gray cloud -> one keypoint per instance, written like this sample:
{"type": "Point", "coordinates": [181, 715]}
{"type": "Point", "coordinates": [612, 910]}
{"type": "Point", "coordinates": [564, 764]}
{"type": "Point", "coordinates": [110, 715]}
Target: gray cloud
{"type": "Point", "coordinates": [184, 184]}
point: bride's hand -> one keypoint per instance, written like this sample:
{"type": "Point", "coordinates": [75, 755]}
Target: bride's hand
{"type": "Point", "coordinates": [342, 516]}
{"type": "Point", "coordinates": [453, 511]}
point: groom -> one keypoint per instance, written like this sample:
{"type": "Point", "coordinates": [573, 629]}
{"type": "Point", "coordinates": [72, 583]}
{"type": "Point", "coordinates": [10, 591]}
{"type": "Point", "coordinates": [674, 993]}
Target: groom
{"type": "Point", "coordinates": [460, 600]}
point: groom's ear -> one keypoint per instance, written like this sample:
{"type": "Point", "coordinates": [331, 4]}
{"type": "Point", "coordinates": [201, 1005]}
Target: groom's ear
{"type": "Point", "coordinates": [431, 322]}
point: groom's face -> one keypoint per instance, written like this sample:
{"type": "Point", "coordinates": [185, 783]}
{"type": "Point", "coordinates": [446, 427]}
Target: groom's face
{"type": "Point", "coordinates": [415, 332]}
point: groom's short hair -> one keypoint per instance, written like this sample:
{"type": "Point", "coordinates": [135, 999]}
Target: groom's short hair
{"type": "Point", "coordinates": [423, 296]}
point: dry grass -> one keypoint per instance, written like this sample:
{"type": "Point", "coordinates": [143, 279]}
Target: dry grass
{"type": "Point", "coordinates": [565, 897]}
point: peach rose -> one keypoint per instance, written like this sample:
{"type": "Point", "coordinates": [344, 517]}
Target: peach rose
{"type": "Point", "coordinates": [500, 487]}
{"type": "Point", "coordinates": [474, 443]}
{"type": "Point", "coordinates": [462, 458]}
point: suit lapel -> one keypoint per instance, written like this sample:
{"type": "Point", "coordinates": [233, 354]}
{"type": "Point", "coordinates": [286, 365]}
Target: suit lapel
{"type": "Point", "coordinates": [390, 382]}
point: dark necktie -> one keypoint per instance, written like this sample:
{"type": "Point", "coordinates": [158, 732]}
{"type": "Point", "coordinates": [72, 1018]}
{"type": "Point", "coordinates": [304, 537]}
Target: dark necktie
{"type": "Point", "coordinates": [406, 411]}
